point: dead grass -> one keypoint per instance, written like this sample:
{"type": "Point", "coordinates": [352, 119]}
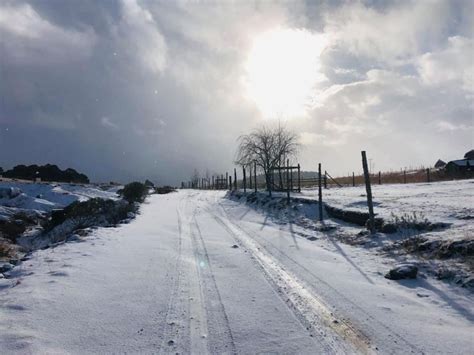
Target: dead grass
{"type": "Point", "coordinates": [6, 249]}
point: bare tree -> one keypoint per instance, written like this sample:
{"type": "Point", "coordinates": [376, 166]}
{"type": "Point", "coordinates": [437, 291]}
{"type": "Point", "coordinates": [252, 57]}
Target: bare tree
{"type": "Point", "coordinates": [268, 147]}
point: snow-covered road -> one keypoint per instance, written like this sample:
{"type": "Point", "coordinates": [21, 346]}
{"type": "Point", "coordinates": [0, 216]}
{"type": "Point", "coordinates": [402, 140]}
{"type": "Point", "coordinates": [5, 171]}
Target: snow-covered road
{"type": "Point", "coordinates": [198, 273]}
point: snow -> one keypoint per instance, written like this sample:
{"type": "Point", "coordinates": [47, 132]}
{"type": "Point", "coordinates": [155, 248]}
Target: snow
{"type": "Point", "coordinates": [171, 282]}
{"type": "Point", "coordinates": [439, 201]}
{"type": "Point", "coordinates": [44, 197]}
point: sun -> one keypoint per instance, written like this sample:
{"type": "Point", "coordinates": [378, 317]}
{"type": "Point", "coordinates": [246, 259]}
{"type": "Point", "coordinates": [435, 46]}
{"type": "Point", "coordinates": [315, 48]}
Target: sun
{"type": "Point", "coordinates": [281, 71]}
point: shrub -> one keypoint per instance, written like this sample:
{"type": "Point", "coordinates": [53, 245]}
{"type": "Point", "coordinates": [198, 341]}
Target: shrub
{"type": "Point", "coordinates": [148, 183]}
{"type": "Point", "coordinates": [134, 192]}
{"type": "Point", "coordinates": [95, 211]}
{"type": "Point", "coordinates": [164, 190]}
{"type": "Point", "coordinates": [6, 249]}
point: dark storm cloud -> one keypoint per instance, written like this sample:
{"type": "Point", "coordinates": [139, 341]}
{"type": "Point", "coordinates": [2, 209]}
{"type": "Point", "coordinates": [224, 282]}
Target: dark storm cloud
{"type": "Point", "coordinates": [135, 89]}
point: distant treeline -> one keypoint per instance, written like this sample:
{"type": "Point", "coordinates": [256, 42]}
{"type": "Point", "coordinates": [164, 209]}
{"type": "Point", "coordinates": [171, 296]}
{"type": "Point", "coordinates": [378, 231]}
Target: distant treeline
{"type": "Point", "coordinates": [46, 172]}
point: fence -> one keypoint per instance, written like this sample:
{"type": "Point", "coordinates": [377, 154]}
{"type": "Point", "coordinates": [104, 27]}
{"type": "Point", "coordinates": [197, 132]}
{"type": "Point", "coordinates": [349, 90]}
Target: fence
{"type": "Point", "coordinates": [392, 177]}
{"type": "Point", "coordinates": [288, 178]}
{"type": "Point", "coordinates": [293, 179]}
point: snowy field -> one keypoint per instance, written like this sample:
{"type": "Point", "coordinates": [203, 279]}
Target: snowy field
{"type": "Point", "coordinates": [196, 272]}
{"type": "Point", "coordinates": [448, 202]}
{"type": "Point", "coordinates": [44, 197]}
{"type": "Point", "coordinates": [433, 223]}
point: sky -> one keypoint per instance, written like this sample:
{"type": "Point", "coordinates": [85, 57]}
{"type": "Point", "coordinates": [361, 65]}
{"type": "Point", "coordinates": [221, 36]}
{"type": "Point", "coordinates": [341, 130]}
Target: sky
{"type": "Point", "coordinates": [133, 89]}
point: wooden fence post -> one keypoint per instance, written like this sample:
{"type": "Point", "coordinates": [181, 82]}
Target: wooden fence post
{"type": "Point", "coordinates": [288, 181]}
{"type": "Point", "coordinates": [255, 175]}
{"type": "Point", "coordinates": [299, 178]}
{"type": "Point", "coordinates": [380, 178]}
{"type": "Point", "coordinates": [230, 182]}
{"type": "Point", "coordinates": [245, 180]}
{"type": "Point", "coordinates": [291, 177]}
{"type": "Point", "coordinates": [428, 177]}
{"type": "Point", "coordinates": [353, 180]}
{"type": "Point", "coordinates": [226, 180]}
{"type": "Point", "coordinates": [369, 193]}
{"type": "Point", "coordinates": [320, 193]}
{"type": "Point", "coordinates": [250, 177]}
{"type": "Point", "coordinates": [235, 179]}
{"type": "Point", "coordinates": [325, 179]}
{"type": "Point", "coordinates": [404, 176]}
{"type": "Point", "coordinates": [268, 183]}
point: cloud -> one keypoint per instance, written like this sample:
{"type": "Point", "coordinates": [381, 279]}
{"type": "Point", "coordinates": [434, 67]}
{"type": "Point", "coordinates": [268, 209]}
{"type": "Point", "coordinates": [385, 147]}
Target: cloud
{"type": "Point", "coordinates": [30, 39]}
{"type": "Point", "coordinates": [444, 126]}
{"type": "Point", "coordinates": [139, 37]}
{"type": "Point", "coordinates": [143, 89]}
{"type": "Point", "coordinates": [453, 64]}
{"type": "Point", "coordinates": [309, 138]}
{"type": "Point", "coordinates": [391, 34]}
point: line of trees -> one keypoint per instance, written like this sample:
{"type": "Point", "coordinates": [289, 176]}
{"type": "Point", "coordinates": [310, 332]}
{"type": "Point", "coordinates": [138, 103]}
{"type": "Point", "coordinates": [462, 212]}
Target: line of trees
{"type": "Point", "coordinates": [46, 172]}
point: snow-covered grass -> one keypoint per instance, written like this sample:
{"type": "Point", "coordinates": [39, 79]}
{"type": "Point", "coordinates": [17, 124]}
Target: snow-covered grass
{"type": "Point", "coordinates": [448, 202]}
{"type": "Point", "coordinates": [444, 208]}
{"type": "Point", "coordinates": [25, 207]}
{"type": "Point", "coordinates": [47, 196]}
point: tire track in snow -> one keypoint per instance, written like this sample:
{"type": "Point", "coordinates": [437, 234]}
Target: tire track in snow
{"type": "Point", "coordinates": [186, 330]}
{"type": "Point", "coordinates": [172, 335]}
{"type": "Point", "coordinates": [390, 333]}
{"type": "Point", "coordinates": [338, 337]}
{"type": "Point", "coordinates": [221, 339]}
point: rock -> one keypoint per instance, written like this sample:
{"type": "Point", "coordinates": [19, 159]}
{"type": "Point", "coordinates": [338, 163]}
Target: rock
{"type": "Point", "coordinates": [5, 284]}
{"type": "Point", "coordinates": [14, 261]}
{"type": "Point", "coordinates": [402, 271]}
{"type": "Point", "coordinates": [422, 295]}
{"type": "Point", "coordinates": [5, 267]}
{"type": "Point", "coordinates": [171, 342]}
{"type": "Point", "coordinates": [9, 192]}
{"type": "Point", "coordinates": [469, 283]}
{"type": "Point", "coordinates": [1, 276]}
{"type": "Point", "coordinates": [389, 228]}
{"type": "Point", "coordinates": [74, 238]}
{"type": "Point", "coordinates": [363, 233]}
{"type": "Point", "coordinates": [235, 246]}
{"type": "Point", "coordinates": [312, 239]}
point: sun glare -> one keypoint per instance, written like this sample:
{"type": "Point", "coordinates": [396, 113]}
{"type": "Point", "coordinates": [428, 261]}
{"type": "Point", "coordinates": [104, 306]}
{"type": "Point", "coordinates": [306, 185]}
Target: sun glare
{"type": "Point", "coordinates": [282, 69]}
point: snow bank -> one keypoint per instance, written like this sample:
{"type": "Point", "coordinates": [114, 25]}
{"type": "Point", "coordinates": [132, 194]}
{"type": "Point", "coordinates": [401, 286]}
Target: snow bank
{"type": "Point", "coordinates": [431, 221]}
{"type": "Point", "coordinates": [47, 196]}
{"type": "Point", "coordinates": [24, 208]}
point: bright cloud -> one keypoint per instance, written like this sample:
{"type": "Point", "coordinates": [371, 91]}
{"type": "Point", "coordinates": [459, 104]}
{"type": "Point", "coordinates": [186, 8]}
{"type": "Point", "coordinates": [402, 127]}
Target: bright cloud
{"type": "Point", "coordinates": [172, 85]}
{"type": "Point", "coordinates": [282, 69]}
